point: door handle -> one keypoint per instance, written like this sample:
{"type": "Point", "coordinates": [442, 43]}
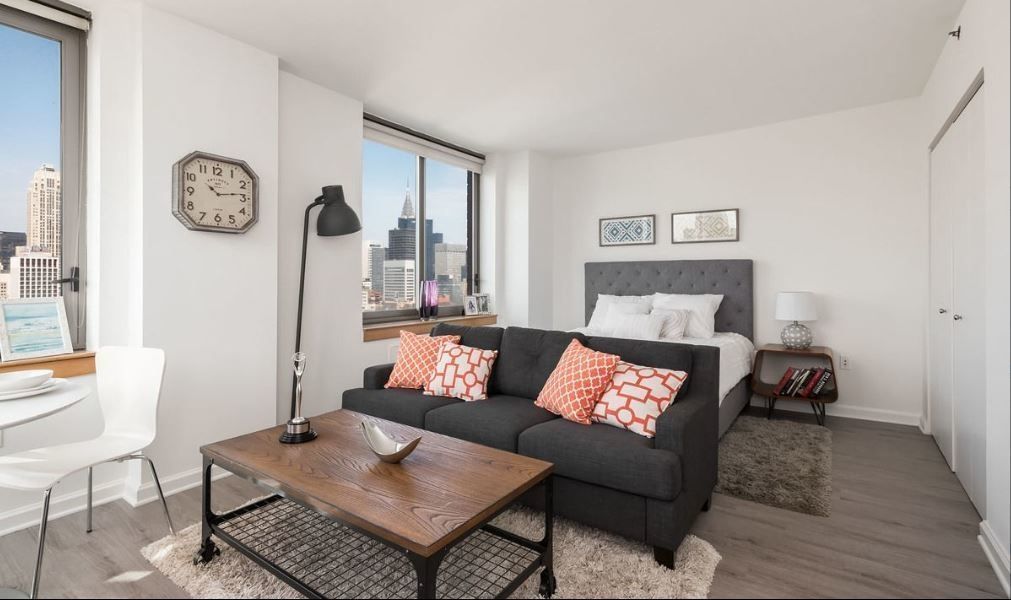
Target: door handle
{"type": "Point", "coordinates": [942, 311]}
{"type": "Point", "coordinates": [957, 317]}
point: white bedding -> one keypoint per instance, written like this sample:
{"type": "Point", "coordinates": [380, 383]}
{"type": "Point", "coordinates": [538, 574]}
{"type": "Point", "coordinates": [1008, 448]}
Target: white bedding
{"type": "Point", "coordinates": [736, 355]}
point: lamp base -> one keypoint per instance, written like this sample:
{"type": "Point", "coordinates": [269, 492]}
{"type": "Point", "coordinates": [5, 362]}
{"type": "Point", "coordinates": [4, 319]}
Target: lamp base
{"type": "Point", "coordinates": [297, 431]}
{"type": "Point", "coordinates": [796, 336]}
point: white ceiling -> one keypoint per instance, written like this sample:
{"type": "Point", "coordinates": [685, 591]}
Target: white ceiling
{"type": "Point", "coordinates": [577, 76]}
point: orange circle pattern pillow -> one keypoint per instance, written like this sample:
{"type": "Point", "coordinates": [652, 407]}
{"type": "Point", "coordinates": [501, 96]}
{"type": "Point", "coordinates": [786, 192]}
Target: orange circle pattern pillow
{"type": "Point", "coordinates": [416, 359]}
{"type": "Point", "coordinates": [577, 382]}
{"type": "Point", "coordinates": [461, 372]}
{"type": "Point", "coordinates": [637, 396]}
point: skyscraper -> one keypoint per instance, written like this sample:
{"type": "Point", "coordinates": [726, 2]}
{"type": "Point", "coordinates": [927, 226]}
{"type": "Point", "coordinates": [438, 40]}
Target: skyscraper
{"type": "Point", "coordinates": [398, 282]}
{"type": "Point", "coordinates": [45, 212]}
{"type": "Point", "coordinates": [9, 242]}
{"type": "Point", "coordinates": [32, 275]}
{"type": "Point", "coordinates": [403, 240]}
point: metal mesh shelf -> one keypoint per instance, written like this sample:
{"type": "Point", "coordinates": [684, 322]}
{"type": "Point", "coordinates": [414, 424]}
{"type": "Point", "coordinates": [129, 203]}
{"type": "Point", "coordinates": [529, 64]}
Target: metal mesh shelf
{"type": "Point", "coordinates": [339, 562]}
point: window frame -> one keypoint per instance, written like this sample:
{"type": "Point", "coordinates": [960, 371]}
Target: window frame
{"type": "Point", "coordinates": [441, 150]}
{"type": "Point", "coordinates": [73, 60]}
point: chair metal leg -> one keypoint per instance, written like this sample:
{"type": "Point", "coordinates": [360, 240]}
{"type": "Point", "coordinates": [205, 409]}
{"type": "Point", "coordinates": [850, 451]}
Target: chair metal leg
{"type": "Point", "coordinates": [91, 476]}
{"type": "Point", "coordinates": [42, 542]}
{"type": "Point", "coordinates": [157, 483]}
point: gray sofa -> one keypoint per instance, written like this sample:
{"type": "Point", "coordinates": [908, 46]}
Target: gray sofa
{"type": "Point", "coordinates": [648, 490]}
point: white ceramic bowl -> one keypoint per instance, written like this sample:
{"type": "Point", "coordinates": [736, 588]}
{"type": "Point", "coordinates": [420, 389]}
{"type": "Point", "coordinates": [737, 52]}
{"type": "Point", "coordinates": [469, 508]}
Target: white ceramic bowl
{"type": "Point", "coordinates": [24, 380]}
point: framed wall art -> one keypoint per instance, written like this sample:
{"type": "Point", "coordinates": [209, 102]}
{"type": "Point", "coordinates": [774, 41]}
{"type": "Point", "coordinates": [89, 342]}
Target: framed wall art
{"type": "Point", "coordinates": [628, 231]}
{"type": "Point", "coordinates": [32, 328]}
{"type": "Point", "coordinates": [705, 226]}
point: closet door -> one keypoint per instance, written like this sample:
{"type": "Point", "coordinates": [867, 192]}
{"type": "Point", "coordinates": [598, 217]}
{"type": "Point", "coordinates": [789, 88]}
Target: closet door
{"type": "Point", "coordinates": [944, 164]}
{"type": "Point", "coordinates": [968, 254]}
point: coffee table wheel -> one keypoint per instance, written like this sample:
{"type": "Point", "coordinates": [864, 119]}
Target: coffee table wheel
{"type": "Point", "coordinates": [208, 550]}
{"type": "Point", "coordinates": [548, 584]}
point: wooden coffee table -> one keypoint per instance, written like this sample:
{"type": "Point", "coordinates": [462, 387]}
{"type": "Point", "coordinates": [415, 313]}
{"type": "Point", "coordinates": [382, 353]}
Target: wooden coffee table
{"type": "Point", "coordinates": [341, 523]}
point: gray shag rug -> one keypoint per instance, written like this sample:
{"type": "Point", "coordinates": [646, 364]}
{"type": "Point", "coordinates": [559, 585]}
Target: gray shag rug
{"type": "Point", "coordinates": [588, 563]}
{"type": "Point", "coordinates": [778, 463]}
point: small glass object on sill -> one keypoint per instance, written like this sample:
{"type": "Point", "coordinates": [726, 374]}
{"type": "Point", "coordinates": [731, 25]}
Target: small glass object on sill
{"type": "Point", "coordinates": [429, 300]}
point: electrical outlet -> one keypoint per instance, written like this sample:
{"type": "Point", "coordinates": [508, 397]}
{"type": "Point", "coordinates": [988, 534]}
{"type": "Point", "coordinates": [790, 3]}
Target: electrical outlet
{"type": "Point", "coordinates": [844, 361]}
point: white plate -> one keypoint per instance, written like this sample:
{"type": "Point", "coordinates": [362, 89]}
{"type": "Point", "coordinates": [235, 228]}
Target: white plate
{"type": "Point", "coordinates": [49, 386]}
{"type": "Point", "coordinates": [24, 380]}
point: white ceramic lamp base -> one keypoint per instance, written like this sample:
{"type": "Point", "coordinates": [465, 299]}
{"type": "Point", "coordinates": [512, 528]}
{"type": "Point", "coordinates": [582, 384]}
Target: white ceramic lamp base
{"type": "Point", "coordinates": [796, 336]}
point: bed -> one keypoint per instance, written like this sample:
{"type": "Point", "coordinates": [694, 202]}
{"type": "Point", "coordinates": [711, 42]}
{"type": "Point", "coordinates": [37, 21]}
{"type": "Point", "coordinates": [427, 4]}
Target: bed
{"type": "Point", "coordinates": [734, 320]}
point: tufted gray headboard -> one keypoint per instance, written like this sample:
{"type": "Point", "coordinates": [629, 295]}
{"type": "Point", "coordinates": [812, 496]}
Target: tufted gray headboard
{"type": "Point", "coordinates": [733, 278]}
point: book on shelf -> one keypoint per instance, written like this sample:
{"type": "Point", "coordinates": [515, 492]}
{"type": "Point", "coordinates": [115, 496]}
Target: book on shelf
{"type": "Point", "coordinates": [802, 383]}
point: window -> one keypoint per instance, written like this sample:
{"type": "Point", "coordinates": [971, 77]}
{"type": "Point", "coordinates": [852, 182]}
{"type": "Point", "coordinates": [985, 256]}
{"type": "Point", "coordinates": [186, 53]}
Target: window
{"type": "Point", "coordinates": [41, 159]}
{"type": "Point", "coordinates": [410, 179]}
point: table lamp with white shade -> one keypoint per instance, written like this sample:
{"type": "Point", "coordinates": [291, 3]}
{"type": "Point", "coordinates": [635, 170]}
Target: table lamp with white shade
{"type": "Point", "coordinates": [796, 307]}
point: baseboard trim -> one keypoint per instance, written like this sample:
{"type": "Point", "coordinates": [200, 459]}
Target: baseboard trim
{"type": "Point", "coordinates": [76, 501]}
{"type": "Point", "coordinates": [849, 412]}
{"type": "Point", "coordinates": [924, 426]}
{"type": "Point", "coordinates": [29, 515]}
{"type": "Point", "coordinates": [173, 484]}
{"type": "Point", "coordinates": [996, 554]}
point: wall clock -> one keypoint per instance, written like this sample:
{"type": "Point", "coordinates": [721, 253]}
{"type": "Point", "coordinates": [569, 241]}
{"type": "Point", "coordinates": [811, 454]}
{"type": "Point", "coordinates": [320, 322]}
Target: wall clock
{"type": "Point", "coordinates": [215, 193]}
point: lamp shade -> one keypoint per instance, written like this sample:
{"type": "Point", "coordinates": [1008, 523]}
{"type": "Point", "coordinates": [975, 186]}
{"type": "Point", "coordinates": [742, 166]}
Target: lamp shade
{"type": "Point", "coordinates": [336, 217]}
{"type": "Point", "coordinates": [795, 306]}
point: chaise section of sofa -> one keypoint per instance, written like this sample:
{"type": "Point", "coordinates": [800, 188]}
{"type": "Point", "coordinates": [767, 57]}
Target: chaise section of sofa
{"type": "Point", "coordinates": [646, 489]}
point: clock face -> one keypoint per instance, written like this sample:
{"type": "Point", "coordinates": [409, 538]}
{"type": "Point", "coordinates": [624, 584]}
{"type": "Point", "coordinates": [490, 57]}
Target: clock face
{"type": "Point", "coordinates": [214, 193]}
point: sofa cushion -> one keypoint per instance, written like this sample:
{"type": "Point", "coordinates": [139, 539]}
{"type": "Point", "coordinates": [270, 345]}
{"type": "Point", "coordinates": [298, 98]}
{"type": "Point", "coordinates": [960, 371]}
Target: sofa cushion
{"type": "Point", "coordinates": [662, 355]}
{"type": "Point", "coordinates": [577, 382]}
{"type": "Point", "coordinates": [485, 338]}
{"type": "Point", "coordinates": [527, 358]}
{"type": "Point", "coordinates": [606, 456]}
{"type": "Point", "coordinates": [496, 422]}
{"type": "Point", "coordinates": [394, 404]}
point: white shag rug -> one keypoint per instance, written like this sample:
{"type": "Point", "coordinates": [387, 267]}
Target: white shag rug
{"type": "Point", "coordinates": [588, 563]}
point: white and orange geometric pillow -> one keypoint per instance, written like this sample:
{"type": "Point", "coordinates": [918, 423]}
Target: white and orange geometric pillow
{"type": "Point", "coordinates": [461, 372]}
{"type": "Point", "coordinates": [575, 385]}
{"type": "Point", "coordinates": [637, 396]}
{"type": "Point", "coordinates": [416, 359]}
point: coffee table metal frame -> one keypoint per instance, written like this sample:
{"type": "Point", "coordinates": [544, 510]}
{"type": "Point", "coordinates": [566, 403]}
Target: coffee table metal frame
{"type": "Point", "coordinates": [426, 567]}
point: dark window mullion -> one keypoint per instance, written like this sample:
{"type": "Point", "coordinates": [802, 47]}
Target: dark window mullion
{"type": "Point", "coordinates": [420, 263]}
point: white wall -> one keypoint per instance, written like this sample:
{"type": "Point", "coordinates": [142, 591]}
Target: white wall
{"type": "Point", "coordinates": [984, 45]}
{"type": "Point", "coordinates": [210, 299]}
{"type": "Point", "coordinates": [320, 144]}
{"type": "Point", "coordinates": [834, 204]}
{"type": "Point", "coordinates": [520, 187]}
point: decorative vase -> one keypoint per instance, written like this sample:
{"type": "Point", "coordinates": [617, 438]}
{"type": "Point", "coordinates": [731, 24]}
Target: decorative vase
{"type": "Point", "coordinates": [797, 336]}
{"type": "Point", "coordinates": [429, 306]}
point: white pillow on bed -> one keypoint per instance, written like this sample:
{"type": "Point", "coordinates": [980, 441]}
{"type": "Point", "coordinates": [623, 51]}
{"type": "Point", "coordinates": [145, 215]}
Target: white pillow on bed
{"type": "Point", "coordinates": [701, 307]}
{"type": "Point", "coordinates": [675, 322]}
{"type": "Point", "coordinates": [636, 326]}
{"type": "Point", "coordinates": [598, 320]}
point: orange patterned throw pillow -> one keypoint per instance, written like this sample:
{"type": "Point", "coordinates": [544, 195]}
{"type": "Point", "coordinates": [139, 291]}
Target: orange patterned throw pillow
{"type": "Point", "coordinates": [575, 385]}
{"type": "Point", "coordinates": [637, 396]}
{"type": "Point", "coordinates": [461, 372]}
{"type": "Point", "coordinates": [416, 359]}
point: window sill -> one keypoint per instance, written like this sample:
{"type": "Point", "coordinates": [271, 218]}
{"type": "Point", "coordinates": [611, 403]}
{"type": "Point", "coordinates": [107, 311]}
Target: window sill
{"type": "Point", "coordinates": [387, 331]}
{"type": "Point", "coordinates": [65, 365]}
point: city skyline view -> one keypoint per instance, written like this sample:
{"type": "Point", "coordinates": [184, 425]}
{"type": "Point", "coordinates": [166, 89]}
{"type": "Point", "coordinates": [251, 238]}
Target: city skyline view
{"type": "Point", "coordinates": [31, 218]}
{"type": "Point", "coordinates": [29, 119]}
{"type": "Point", "coordinates": [389, 244]}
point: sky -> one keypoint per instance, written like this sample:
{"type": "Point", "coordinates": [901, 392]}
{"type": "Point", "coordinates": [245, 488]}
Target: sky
{"type": "Point", "coordinates": [387, 173]}
{"type": "Point", "coordinates": [29, 117]}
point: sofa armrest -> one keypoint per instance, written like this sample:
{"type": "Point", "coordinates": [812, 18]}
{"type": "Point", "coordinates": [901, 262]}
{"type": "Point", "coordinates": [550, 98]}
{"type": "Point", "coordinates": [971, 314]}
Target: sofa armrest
{"type": "Point", "coordinates": [691, 426]}
{"type": "Point", "coordinates": [377, 376]}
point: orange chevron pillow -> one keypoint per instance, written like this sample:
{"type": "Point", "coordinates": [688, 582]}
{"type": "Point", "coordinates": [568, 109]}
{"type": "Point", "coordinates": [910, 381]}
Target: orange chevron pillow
{"type": "Point", "coordinates": [575, 386]}
{"type": "Point", "coordinates": [416, 359]}
{"type": "Point", "coordinates": [637, 396]}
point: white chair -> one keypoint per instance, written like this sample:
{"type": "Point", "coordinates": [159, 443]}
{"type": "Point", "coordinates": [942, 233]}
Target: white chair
{"type": "Point", "coordinates": [129, 385]}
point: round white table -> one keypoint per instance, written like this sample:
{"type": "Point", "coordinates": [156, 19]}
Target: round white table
{"type": "Point", "coordinates": [24, 410]}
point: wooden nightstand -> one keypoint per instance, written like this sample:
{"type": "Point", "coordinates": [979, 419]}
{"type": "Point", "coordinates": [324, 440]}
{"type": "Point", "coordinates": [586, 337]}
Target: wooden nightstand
{"type": "Point", "coordinates": [813, 356]}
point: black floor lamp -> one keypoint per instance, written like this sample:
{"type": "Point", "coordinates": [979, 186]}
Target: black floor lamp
{"type": "Point", "coordinates": [335, 218]}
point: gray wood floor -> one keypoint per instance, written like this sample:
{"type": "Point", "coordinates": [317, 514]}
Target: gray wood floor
{"type": "Point", "coordinates": [900, 526]}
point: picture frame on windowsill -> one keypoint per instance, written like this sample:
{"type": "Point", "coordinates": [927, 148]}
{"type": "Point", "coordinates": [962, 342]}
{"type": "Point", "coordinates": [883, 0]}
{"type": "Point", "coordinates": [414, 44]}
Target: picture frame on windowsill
{"type": "Point", "coordinates": [33, 328]}
{"type": "Point", "coordinates": [470, 305]}
{"type": "Point", "coordinates": [483, 304]}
